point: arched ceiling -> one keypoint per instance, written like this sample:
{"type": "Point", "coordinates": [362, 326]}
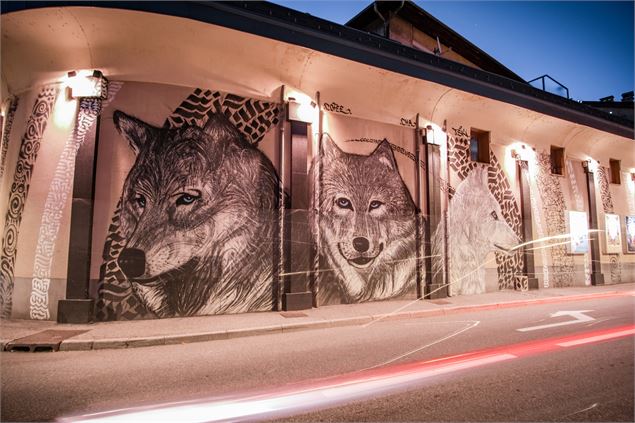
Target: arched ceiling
{"type": "Point", "coordinates": [41, 45]}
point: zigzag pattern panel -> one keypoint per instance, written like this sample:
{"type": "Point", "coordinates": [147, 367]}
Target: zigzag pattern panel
{"type": "Point", "coordinates": [553, 209]}
{"type": "Point", "coordinates": [605, 192]}
{"type": "Point", "coordinates": [6, 132]}
{"type": "Point", "coordinates": [607, 205]}
{"type": "Point", "coordinates": [509, 266]}
{"type": "Point", "coordinates": [252, 117]}
{"type": "Point", "coordinates": [19, 192]}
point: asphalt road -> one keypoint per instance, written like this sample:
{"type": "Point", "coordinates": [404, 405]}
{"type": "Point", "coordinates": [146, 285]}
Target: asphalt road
{"type": "Point", "coordinates": [591, 382]}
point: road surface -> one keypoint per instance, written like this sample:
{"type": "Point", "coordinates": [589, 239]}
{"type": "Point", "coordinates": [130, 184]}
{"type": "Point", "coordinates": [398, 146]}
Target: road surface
{"type": "Point", "coordinates": [592, 381]}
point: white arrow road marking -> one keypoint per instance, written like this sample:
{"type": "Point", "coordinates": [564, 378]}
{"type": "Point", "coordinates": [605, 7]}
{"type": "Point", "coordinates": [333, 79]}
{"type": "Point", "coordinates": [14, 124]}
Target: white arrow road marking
{"type": "Point", "coordinates": [579, 316]}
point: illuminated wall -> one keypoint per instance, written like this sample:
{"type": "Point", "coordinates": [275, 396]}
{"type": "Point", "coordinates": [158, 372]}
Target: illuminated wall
{"type": "Point", "coordinates": [189, 193]}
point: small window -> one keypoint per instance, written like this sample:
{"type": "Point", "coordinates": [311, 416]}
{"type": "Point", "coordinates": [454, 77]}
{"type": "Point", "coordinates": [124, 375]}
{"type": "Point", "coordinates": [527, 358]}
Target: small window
{"type": "Point", "coordinates": [615, 171]}
{"type": "Point", "coordinates": [557, 160]}
{"type": "Point", "coordinates": [479, 145]}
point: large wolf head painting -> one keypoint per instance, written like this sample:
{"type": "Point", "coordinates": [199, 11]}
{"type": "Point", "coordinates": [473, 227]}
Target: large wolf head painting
{"type": "Point", "coordinates": [476, 227]}
{"type": "Point", "coordinates": [198, 218]}
{"type": "Point", "coordinates": [366, 226]}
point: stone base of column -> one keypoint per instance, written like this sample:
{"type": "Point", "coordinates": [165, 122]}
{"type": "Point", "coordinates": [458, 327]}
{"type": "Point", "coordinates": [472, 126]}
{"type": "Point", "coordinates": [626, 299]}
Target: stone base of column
{"type": "Point", "coordinates": [434, 291]}
{"type": "Point", "coordinates": [75, 311]}
{"type": "Point", "coordinates": [597, 279]}
{"type": "Point", "coordinates": [297, 301]}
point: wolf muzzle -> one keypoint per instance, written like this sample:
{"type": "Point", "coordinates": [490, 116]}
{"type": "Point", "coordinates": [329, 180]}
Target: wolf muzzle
{"type": "Point", "coordinates": [132, 262]}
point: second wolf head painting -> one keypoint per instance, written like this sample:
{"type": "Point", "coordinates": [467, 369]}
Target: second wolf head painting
{"type": "Point", "coordinates": [200, 213]}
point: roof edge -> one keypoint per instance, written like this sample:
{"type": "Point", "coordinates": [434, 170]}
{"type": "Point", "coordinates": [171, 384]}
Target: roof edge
{"type": "Point", "coordinates": [287, 25]}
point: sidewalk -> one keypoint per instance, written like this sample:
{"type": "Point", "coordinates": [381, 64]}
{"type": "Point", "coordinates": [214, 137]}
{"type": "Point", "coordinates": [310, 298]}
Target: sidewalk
{"type": "Point", "coordinates": [140, 333]}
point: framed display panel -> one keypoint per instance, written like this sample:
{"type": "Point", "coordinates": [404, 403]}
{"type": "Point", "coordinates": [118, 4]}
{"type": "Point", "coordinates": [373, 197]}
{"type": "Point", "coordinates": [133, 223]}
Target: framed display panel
{"type": "Point", "coordinates": [630, 234]}
{"type": "Point", "coordinates": [612, 234]}
{"type": "Point", "coordinates": [579, 232]}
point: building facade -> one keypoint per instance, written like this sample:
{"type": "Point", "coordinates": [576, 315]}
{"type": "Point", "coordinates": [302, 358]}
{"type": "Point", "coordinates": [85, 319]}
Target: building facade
{"type": "Point", "coordinates": [236, 157]}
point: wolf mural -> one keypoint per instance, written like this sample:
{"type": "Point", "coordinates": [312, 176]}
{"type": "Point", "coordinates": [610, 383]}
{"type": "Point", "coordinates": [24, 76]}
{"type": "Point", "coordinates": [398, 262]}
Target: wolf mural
{"type": "Point", "coordinates": [476, 227]}
{"type": "Point", "coordinates": [198, 215]}
{"type": "Point", "coordinates": [366, 226]}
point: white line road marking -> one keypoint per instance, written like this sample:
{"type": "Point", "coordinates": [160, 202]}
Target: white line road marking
{"type": "Point", "coordinates": [579, 316]}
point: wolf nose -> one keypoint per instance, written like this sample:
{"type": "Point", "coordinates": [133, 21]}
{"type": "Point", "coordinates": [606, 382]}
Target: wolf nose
{"type": "Point", "coordinates": [132, 262]}
{"type": "Point", "coordinates": [360, 244]}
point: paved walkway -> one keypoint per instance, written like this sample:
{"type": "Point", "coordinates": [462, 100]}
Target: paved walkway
{"type": "Point", "coordinates": [139, 333]}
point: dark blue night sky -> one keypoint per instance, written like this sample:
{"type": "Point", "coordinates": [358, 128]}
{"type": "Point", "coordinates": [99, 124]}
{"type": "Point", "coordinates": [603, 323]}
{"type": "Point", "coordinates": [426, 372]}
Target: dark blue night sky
{"type": "Point", "coordinates": [587, 46]}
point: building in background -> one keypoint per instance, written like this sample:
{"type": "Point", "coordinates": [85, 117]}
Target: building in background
{"type": "Point", "coordinates": [183, 158]}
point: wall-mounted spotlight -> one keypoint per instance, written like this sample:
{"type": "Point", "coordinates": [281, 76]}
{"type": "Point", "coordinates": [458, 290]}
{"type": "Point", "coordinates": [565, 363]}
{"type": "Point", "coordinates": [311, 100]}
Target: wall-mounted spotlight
{"type": "Point", "coordinates": [590, 165]}
{"type": "Point", "coordinates": [428, 135]}
{"type": "Point", "coordinates": [633, 176]}
{"type": "Point", "coordinates": [302, 111]}
{"type": "Point", "coordinates": [87, 84]}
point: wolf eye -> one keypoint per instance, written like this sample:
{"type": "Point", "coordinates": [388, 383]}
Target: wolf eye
{"type": "Point", "coordinates": [140, 200]}
{"type": "Point", "coordinates": [494, 215]}
{"type": "Point", "coordinates": [186, 199]}
{"type": "Point", "coordinates": [374, 205]}
{"type": "Point", "coordinates": [344, 203]}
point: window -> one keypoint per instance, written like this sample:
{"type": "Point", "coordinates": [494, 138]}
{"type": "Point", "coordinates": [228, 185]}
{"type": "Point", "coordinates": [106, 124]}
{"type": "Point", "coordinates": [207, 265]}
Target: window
{"type": "Point", "coordinates": [615, 171]}
{"type": "Point", "coordinates": [479, 145]}
{"type": "Point", "coordinates": [557, 160]}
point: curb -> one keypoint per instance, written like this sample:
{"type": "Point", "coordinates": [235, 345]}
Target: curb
{"type": "Point", "coordinates": [119, 343]}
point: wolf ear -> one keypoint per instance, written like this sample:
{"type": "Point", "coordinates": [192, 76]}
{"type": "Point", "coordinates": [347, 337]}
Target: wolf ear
{"type": "Point", "coordinates": [329, 148]}
{"type": "Point", "coordinates": [478, 178]}
{"type": "Point", "coordinates": [137, 132]}
{"type": "Point", "coordinates": [214, 121]}
{"type": "Point", "coordinates": [482, 175]}
{"type": "Point", "coordinates": [384, 154]}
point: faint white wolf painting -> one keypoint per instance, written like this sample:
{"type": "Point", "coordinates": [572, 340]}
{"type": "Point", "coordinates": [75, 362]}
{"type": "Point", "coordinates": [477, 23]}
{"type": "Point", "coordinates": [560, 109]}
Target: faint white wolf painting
{"type": "Point", "coordinates": [476, 227]}
{"type": "Point", "coordinates": [366, 226]}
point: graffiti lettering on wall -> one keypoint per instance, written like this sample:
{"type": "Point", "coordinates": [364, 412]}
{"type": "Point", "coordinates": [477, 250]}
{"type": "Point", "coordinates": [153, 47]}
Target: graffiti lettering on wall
{"type": "Point", "coordinates": [407, 122]}
{"type": "Point", "coordinates": [399, 149]}
{"type": "Point", "coordinates": [338, 108]}
{"type": "Point", "coordinates": [476, 227]}
{"type": "Point", "coordinates": [461, 132]}
{"type": "Point", "coordinates": [193, 232]}
{"type": "Point", "coordinates": [367, 226]}
{"type": "Point", "coordinates": [19, 191]}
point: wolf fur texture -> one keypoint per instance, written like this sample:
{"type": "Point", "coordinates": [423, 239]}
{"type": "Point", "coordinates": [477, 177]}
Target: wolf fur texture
{"type": "Point", "coordinates": [366, 226]}
{"type": "Point", "coordinates": [476, 228]}
{"type": "Point", "coordinates": [198, 216]}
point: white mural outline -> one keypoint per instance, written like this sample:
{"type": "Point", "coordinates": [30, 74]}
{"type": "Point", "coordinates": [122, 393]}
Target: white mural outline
{"type": "Point", "coordinates": [33, 133]}
{"type": "Point", "coordinates": [59, 190]}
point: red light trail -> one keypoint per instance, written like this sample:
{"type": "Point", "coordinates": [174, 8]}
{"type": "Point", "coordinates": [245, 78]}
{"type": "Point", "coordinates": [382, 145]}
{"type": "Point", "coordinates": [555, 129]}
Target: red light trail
{"type": "Point", "coordinates": [331, 391]}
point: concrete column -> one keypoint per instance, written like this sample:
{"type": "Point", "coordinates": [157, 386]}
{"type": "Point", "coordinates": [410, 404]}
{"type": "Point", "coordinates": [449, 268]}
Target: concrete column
{"type": "Point", "coordinates": [78, 307]}
{"type": "Point", "coordinates": [435, 287]}
{"type": "Point", "coordinates": [529, 268]}
{"type": "Point", "coordinates": [296, 231]}
{"type": "Point", "coordinates": [597, 278]}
